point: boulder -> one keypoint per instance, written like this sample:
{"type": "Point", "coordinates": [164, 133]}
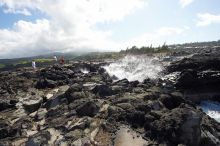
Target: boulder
{"type": "Point", "coordinates": [6, 130]}
{"type": "Point", "coordinates": [187, 79]}
{"type": "Point", "coordinates": [89, 108]}
{"type": "Point", "coordinates": [117, 89]}
{"type": "Point", "coordinates": [41, 113]}
{"type": "Point", "coordinates": [56, 100]}
{"type": "Point", "coordinates": [171, 101]}
{"type": "Point", "coordinates": [155, 105]}
{"type": "Point", "coordinates": [77, 103]}
{"type": "Point", "coordinates": [56, 112]}
{"type": "Point", "coordinates": [74, 135]}
{"type": "Point", "coordinates": [114, 111]}
{"type": "Point", "coordinates": [134, 83]}
{"type": "Point", "coordinates": [2, 90]}
{"type": "Point", "coordinates": [6, 104]}
{"type": "Point", "coordinates": [123, 82]}
{"type": "Point", "coordinates": [32, 104]}
{"type": "Point", "coordinates": [74, 92]}
{"type": "Point", "coordinates": [92, 68]}
{"type": "Point", "coordinates": [39, 139]}
{"type": "Point", "coordinates": [125, 106]}
{"type": "Point", "coordinates": [101, 70]}
{"type": "Point", "coordinates": [151, 96]}
{"type": "Point", "coordinates": [179, 126]}
{"type": "Point", "coordinates": [210, 132]}
{"type": "Point", "coordinates": [208, 139]}
{"type": "Point", "coordinates": [45, 83]}
{"type": "Point", "coordinates": [103, 90]}
{"type": "Point", "coordinates": [74, 88]}
{"type": "Point", "coordinates": [136, 118]}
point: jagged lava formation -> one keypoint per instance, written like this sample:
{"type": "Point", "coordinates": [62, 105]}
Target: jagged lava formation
{"type": "Point", "coordinates": [61, 105]}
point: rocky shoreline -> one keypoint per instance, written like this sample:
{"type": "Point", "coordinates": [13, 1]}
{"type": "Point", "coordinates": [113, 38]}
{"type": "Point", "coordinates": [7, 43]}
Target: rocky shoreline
{"type": "Point", "coordinates": [61, 105]}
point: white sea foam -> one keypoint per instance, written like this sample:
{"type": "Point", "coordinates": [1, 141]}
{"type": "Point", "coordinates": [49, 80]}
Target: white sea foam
{"type": "Point", "coordinates": [135, 68]}
{"type": "Point", "coordinates": [212, 109]}
{"type": "Point", "coordinates": [85, 71]}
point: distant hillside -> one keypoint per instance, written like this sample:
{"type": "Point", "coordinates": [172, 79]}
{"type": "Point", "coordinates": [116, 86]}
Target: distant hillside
{"type": "Point", "coordinates": [41, 60]}
{"type": "Point", "coordinates": [196, 45]}
{"type": "Point", "coordinates": [99, 56]}
{"type": "Point", "coordinates": [47, 59]}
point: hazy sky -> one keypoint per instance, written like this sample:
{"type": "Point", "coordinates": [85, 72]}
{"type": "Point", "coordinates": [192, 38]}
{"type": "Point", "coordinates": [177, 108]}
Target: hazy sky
{"type": "Point", "coordinates": [32, 27]}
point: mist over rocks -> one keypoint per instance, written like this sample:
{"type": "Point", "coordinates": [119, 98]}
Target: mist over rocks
{"type": "Point", "coordinates": [63, 105]}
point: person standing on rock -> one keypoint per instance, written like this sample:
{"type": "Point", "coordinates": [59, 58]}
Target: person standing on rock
{"type": "Point", "coordinates": [55, 58]}
{"type": "Point", "coordinates": [62, 60]}
{"type": "Point", "coordinates": [34, 65]}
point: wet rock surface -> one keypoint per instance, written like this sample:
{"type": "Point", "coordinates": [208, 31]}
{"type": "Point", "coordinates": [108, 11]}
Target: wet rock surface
{"type": "Point", "coordinates": [199, 77]}
{"type": "Point", "coordinates": [63, 105]}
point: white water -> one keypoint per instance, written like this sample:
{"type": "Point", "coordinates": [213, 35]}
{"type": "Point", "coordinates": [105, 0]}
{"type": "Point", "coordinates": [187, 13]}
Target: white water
{"type": "Point", "coordinates": [212, 109]}
{"type": "Point", "coordinates": [84, 70]}
{"type": "Point", "coordinates": [135, 68]}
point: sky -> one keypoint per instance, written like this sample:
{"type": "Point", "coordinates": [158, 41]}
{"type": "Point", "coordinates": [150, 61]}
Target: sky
{"type": "Point", "coordinates": [34, 27]}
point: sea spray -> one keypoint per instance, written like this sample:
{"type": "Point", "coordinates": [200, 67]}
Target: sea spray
{"type": "Point", "coordinates": [134, 68]}
{"type": "Point", "coordinates": [212, 109]}
{"type": "Point", "coordinates": [84, 70]}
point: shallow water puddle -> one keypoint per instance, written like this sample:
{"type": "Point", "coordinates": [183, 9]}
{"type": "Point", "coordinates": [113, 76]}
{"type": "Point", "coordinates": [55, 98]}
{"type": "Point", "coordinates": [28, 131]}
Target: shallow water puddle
{"type": "Point", "coordinates": [127, 137]}
{"type": "Point", "coordinates": [212, 109]}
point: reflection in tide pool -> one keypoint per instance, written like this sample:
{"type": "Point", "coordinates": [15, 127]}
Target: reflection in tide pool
{"type": "Point", "coordinates": [212, 109]}
{"type": "Point", "coordinates": [128, 137]}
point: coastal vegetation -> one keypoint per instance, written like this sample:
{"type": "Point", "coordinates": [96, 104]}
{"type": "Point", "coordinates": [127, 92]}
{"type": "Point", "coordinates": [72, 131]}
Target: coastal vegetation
{"type": "Point", "coordinates": [146, 50]}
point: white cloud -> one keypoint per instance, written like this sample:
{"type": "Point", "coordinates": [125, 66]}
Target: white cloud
{"type": "Point", "coordinates": [69, 27]}
{"type": "Point", "coordinates": [207, 19]}
{"type": "Point", "coordinates": [166, 31]}
{"type": "Point", "coordinates": [24, 11]}
{"type": "Point", "coordinates": [19, 6]}
{"type": "Point", "coordinates": [25, 35]}
{"type": "Point", "coordinates": [157, 37]}
{"type": "Point", "coordinates": [185, 3]}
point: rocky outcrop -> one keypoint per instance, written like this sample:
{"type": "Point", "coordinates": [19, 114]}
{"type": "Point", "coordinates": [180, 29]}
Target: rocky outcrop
{"type": "Point", "coordinates": [209, 136]}
{"type": "Point", "coordinates": [32, 104]}
{"type": "Point", "coordinates": [194, 79]}
{"type": "Point", "coordinates": [199, 75]}
{"type": "Point", "coordinates": [179, 126]}
{"type": "Point", "coordinates": [39, 139]}
{"type": "Point", "coordinates": [7, 130]}
{"type": "Point", "coordinates": [62, 105]}
{"type": "Point", "coordinates": [172, 101]}
{"type": "Point", "coordinates": [103, 90]}
{"type": "Point", "coordinates": [6, 104]}
{"type": "Point", "coordinates": [45, 83]}
{"type": "Point", "coordinates": [199, 62]}
{"type": "Point", "coordinates": [89, 108]}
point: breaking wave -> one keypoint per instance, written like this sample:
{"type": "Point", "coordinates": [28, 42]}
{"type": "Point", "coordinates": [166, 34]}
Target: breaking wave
{"type": "Point", "coordinates": [84, 70]}
{"type": "Point", "coordinates": [212, 109]}
{"type": "Point", "coordinates": [135, 68]}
